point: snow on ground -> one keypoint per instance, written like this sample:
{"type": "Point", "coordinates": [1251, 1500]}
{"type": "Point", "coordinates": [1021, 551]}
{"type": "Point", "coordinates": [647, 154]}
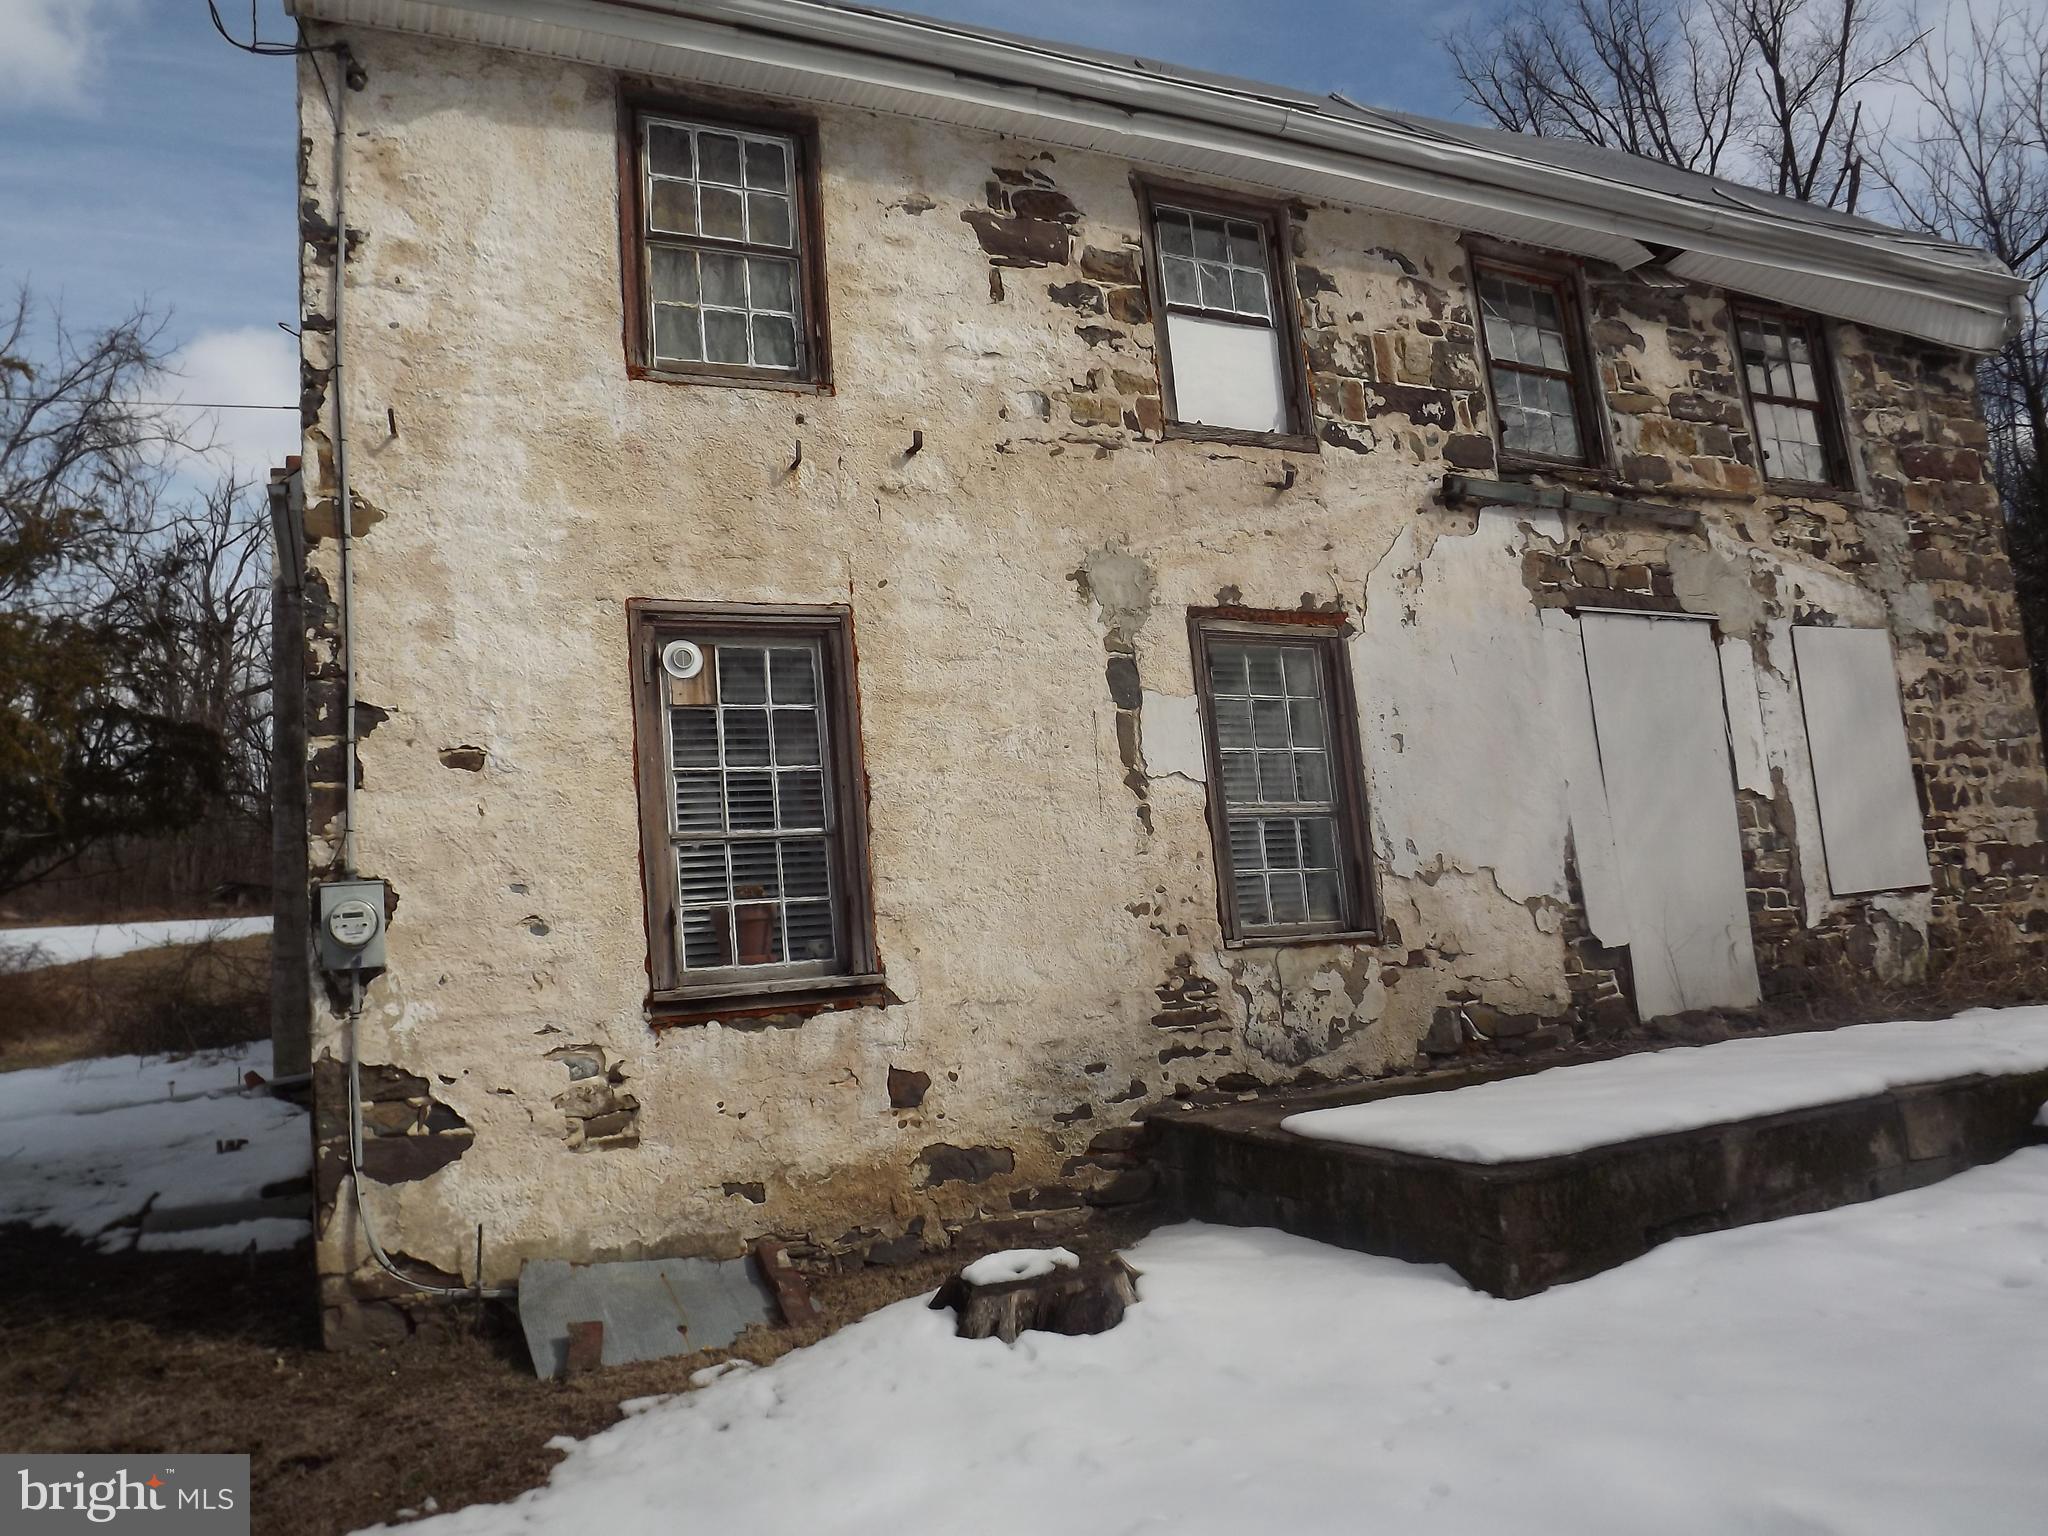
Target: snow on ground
{"type": "Point", "coordinates": [1872, 1370]}
{"type": "Point", "coordinates": [27, 949]}
{"type": "Point", "coordinates": [88, 1145]}
{"type": "Point", "coordinates": [1568, 1109]}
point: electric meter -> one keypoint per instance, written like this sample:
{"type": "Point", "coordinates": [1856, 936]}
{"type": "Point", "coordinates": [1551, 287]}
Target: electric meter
{"type": "Point", "coordinates": [351, 925]}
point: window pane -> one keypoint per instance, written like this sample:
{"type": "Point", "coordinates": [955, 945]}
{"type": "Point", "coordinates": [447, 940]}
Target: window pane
{"type": "Point", "coordinates": [1233, 723]}
{"type": "Point", "coordinates": [1247, 847]}
{"type": "Point", "coordinates": [746, 738]}
{"type": "Point", "coordinates": [774, 341]}
{"type": "Point", "coordinates": [1298, 662]}
{"type": "Point", "coordinates": [1312, 778]}
{"type": "Point", "coordinates": [693, 736]}
{"type": "Point", "coordinates": [725, 215]}
{"type": "Point", "coordinates": [1227, 664]}
{"type": "Point", "coordinates": [796, 680]}
{"type": "Point", "coordinates": [750, 801]}
{"type": "Point", "coordinates": [1263, 667]}
{"type": "Point", "coordinates": [796, 738]}
{"type": "Point", "coordinates": [697, 803]}
{"type": "Point", "coordinates": [1250, 291]}
{"type": "Point", "coordinates": [719, 156]}
{"type": "Point", "coordinates": [1175, 237]}
{"type": "Point", "coordinates": [668, 151]}
{"type": "Point", "coordinates": [768, 219]}
{"type": "Point", "coordinates": [767, 165]}
{"type": "Point", "coordinates": [1276, 778]}
{"type": "Point", "coordinates": [756, 871]}
{"type": "Point", "coordinates": [707, 939]}
{"type": "Point", "coordinates": [1306, 722]}
{"type": "Point", "coordinates": [803, 867]}
{"type": "Point", "coordinates": [725, 280]}
{"type": "Point", "coordinates": [1210, 242]}
{"type": "Point", "coordinates": [1240, 778]}
{"type": "Point", "coordinates": [1246, 249]}
{"type": "Point", "coordinates": [772, 284]}
{"type": "Point", "coordinates": [676, 338]}
{"type": "Point", "coordinates": [1183, 280]}
{"type": "Point", "coordinates": [803, 799]}
{"type": "Point", "coordinates": [757, 931]}
{"type": "Point", "coordinates": [1325, 897]}
{"type": "Point", "coordinates": [1252, 907]}
{"type": "Point", "coordinates": [1215, 286]}
{"type": "Point", "coordinates": [1278, 838]}
{"type": "Point", "coordinates": [672, 207]}
{"type": "Point", "coordinates": [810, 931]}
{"type": "Point", "coordinates": [1269, 722]}
{"type": "Point", "coordinates": [674, 274]}
{"type": "Point", "coordinates": [725, 337]}
{"type": "Point", "coordinates": [1289, 904]}
{"type": "Point", "coordinates": [742, 675]}
{"type": "Point", "coordinates": [701, 875]}
{"type": "Point", "coordinates": [1318, 842]}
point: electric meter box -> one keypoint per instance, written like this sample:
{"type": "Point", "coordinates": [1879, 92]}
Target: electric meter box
{"type": "Point", "coordinates": [349, 922]}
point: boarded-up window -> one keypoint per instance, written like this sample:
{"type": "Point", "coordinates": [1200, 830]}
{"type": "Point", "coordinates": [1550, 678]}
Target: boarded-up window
{"type": "Point", "coordinates": [1283, 782]}
{"type": "Point", "coordinates": [1870, 820]}
{"type": "Point", "coordinates": [1224, 318]}
{"type": "Point", "coordinates": [752, 832]}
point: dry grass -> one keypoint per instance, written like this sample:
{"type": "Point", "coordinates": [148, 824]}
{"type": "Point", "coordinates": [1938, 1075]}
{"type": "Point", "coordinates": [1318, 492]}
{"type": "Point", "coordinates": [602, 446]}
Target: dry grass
{"type": "Point", "coordinates": [167, 1001]}
{"type": "Point", "coordinates": [197, 1353]}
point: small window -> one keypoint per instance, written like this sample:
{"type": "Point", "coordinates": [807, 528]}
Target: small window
{"type": "Point", "coordinates": [1784, 369]}
{"type": "Point", "coordinates": [1536, 367]}
{"type": "Point", "coordinates": [1284, 780]}
{"type": "Point", "coordinates": [1225, 327]}
{"type": "Point", "coordinates": [756, 863]}
{"type": "Point", "coordinates": [727, 282]}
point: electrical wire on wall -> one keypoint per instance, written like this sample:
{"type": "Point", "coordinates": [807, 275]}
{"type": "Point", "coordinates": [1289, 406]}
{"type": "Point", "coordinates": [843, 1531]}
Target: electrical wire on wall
{"type": "Point", "coordinates": [353, 78]}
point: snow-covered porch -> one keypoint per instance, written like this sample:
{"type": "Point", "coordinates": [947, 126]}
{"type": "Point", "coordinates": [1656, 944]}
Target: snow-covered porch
{"type": "Point", "coordinates": [1523, 1180]}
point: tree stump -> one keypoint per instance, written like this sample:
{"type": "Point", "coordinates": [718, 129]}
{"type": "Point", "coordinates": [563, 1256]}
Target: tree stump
{"type": "Point", "coordinates": [1049, 1289]}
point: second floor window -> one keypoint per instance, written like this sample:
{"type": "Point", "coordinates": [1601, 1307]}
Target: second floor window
{"type": "Point", "coordinates": [725, 262]}
{"type": "Point", "coordinates": [1227, 331]}
{"type": "Point", "coordinates": [1788, 395]}
{"type": "Point", "coordinates": [1535, 366]}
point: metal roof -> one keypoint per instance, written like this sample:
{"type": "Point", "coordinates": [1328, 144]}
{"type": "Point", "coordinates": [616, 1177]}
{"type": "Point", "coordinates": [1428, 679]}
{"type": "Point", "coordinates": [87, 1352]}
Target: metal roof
{"type": "Point", "coordinates": [1553, 193]}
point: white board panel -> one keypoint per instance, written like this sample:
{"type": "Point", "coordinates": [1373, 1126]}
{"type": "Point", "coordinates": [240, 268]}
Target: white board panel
{"type": "Point", "coordinates": [1592, 832]}
{"type": "Point", "coordinates": [1862, 771]}
{"type": "Point", "coordinates": [1664, 757]}
{"type": "Point", "coordinates": [1226, 375]}
{"type": "Point", "coordinates": [1745, 716]}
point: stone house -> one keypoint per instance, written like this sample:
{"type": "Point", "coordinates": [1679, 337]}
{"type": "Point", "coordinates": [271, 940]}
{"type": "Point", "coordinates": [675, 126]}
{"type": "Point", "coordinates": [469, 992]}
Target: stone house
{"type": "Point", "coordinates": [888, 597]}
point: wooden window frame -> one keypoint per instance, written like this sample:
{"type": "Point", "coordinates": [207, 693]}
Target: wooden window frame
{"type": "Point", "coordinates": [1276, 221]}
{"type": "Point", "coordinates": [815, 332]}
{"type": "Point", "coordinates": [651, 623]}
{"type": "Point", "coordinates": [1563, 280]}
{"type": "Point", "coordinates": [1327, 634]}
{"type": "Point", "coordinates": [1832, 423]}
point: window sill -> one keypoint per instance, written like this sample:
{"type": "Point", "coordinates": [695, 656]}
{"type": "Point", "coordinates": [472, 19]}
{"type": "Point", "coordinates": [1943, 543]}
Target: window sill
{"type": "Point", "coordinates": [1348, 936]}
{"type": "Point", "coordinates": [791, 1000]}
{"type": "Point", "coordinates": [1238, 437]}
{"type": "Point", "coordinates": [728, 380]}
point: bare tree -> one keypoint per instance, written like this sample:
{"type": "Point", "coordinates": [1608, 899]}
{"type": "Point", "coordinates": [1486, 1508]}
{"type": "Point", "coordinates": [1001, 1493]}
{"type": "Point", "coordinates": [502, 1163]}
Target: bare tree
{"type": "Point", "coordinates": [1763, 90]}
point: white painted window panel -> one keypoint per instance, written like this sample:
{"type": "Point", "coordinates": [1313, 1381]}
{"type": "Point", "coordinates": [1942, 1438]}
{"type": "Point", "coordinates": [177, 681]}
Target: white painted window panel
{"type": "Point", "coordinates": [1225, 374]}
{"type": "Point", "coordinates": [1870, 821]}
{"type": "Point", "coordinates": [1745, 716]}
{"type": "Point", "coordinates": [1658, 710]}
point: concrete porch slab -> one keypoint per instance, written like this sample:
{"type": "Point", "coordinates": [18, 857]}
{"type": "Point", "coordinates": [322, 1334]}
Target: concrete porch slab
{"type": "Point", "coordinates": [1514, 1228]}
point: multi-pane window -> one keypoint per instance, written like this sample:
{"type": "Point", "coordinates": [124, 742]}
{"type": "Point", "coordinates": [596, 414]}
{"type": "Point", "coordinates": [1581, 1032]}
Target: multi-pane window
{"type": "Point", "coordinates": [752, 820]}
{"type": "Point", "coordinates": [754, 872]}
{"type": "Point", "coordinates": [1284, 786]}
{"type": "Point", "coordinates": [1209, 262]}
{"type": "Point", "coordinates": [722, 250]}
{"type": "Point", "coordinates": [1781, 361]}
{"type": "Point", "coordinates": [1532, 357]}
{"type": "Point", "coordinates": [1225, 331]}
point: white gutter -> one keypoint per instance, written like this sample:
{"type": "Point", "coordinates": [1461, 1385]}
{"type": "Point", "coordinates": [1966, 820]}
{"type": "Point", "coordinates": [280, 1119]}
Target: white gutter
{"type": "Point", "coordinates": [927, 69]}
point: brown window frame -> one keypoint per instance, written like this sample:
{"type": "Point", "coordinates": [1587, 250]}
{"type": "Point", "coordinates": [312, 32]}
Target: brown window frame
{"type": "Point", "coordinates": [1829, 419]}
{"type": "Point", "coordinates": [1276, 222]}
{"type": "Point", "coordinates": [814, 376]}
{"type": "Point", "coordinates": [1562, 279]}
{"type": "Point", "coordinates": [652, 624]}
{"type": "Point", "coordinates": [1326, 634]}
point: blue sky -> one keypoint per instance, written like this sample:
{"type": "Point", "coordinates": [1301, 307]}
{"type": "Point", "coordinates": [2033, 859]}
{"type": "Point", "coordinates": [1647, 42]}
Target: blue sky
{"type": "Point", "coordinates": [142, 158]}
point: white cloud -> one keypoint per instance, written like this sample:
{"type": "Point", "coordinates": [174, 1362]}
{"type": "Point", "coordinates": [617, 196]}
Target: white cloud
{"type": "Point", "coordinates": [50, 50]}
{"type": "Point", "coordinates": [246, 365]}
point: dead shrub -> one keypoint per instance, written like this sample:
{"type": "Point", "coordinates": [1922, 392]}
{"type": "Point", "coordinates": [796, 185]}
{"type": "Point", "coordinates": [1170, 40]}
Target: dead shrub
{"type": "Point", "coordinates": [153, 1002]}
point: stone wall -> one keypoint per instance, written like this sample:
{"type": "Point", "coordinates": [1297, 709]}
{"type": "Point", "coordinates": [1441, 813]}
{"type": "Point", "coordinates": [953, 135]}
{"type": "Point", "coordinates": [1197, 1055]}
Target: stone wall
{"type": "Point", "coordinates": [1045, 899]}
